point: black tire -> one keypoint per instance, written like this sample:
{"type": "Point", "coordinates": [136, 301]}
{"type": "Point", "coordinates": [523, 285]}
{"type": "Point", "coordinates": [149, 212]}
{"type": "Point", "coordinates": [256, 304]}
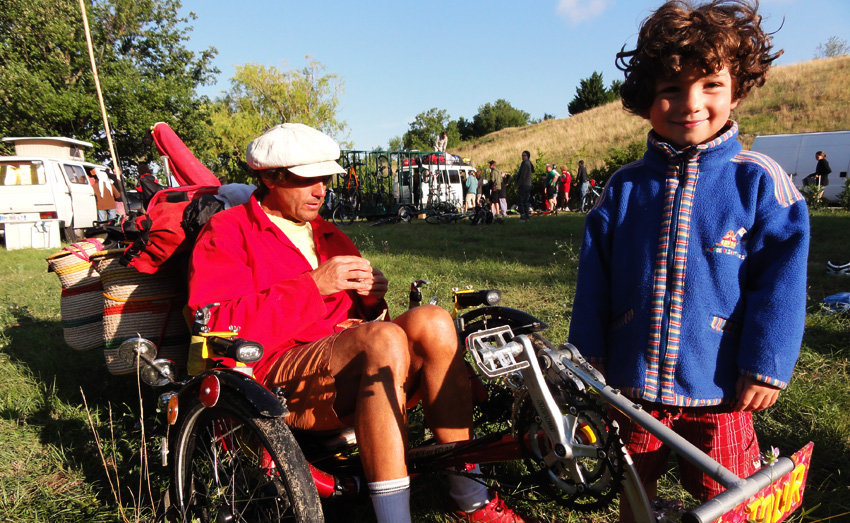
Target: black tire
{"type": "Point", "coordinates": [588, 201]}
{"type": "Point", "coordinates": [343, 214]}
{"type": "Point", "coordinates": [382, 166]}
{"type": "Point", "coordinates": [231, 466]}
{"type": "Point", "coordinates": [406, 213]}
{"type": "Point", "coordinates": [73, 235]}
{"type": "Point", "coordinates": [434, 219]}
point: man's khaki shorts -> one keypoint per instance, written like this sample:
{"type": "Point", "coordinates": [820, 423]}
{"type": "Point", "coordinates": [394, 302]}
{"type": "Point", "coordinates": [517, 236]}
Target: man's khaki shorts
{"type": "Point", "coordinates": [304, 373]}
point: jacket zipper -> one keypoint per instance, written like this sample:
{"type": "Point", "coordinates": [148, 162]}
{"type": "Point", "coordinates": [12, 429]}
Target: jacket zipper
{"type": "Point", "coordinates": [672, 236]}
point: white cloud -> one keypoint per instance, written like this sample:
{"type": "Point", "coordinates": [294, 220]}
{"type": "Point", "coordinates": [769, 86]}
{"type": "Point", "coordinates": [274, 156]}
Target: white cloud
{"type": "Point", "coordinates": [577, 11]}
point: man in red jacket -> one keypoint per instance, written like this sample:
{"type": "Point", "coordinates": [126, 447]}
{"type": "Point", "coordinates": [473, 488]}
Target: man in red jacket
{"type": "Point", "coordinates": [299, 286]}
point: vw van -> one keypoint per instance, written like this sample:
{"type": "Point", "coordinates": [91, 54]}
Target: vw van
{"type": "Point", "coordinates": [46, 180]}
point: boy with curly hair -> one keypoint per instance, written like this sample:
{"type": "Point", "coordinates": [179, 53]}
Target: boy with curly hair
{"type": "Point", "coordinates": [692, 277]}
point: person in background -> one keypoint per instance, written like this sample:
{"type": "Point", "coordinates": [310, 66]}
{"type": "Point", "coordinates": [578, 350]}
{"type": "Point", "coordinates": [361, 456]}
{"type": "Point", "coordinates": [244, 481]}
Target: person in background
{"type": "Point", "coordinates": [552, 178]}
{"type": "Point", "coordinates": [495, 177]}
{"type": "Point", "coordinates": [471, 186]}
{"type": "Point", "coordinates": [148, 184]}
{"type": "Point", "coordinates": [821, 175]}
{"type": "Point", "coordinates": [503, 194]}
{"type": "Point", "coordinates": [441, 143]}
{"type": "Point", "coordinates": [691, 289]}
{"type": "Point", "coordinates": [564, 192]}
{"type": "Point", "coordinates": [105, 194]}
{"type": "Point", "coordinates": [582, 180]}
{"type": "Point", "coordinates": [479, 191]}
{"type": "Point", "coordinates": [523, 182]}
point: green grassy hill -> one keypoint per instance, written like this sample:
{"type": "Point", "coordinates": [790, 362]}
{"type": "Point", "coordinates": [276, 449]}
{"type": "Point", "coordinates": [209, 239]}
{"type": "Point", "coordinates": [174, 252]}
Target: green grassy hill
{"type": "Point", "coordinates": [805, 97]}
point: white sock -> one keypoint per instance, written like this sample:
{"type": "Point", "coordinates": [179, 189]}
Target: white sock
{"type": "Point", "coordinates": [391, 500]}
{"type": "Point", "coordinates": [469, 493]}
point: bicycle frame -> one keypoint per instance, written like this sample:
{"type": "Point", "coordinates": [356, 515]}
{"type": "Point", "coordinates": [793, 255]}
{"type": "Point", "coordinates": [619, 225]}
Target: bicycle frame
{"type": "Point", "coordinates": [495, 356]}
{"type": "Point", "coordinates": [559, 440]}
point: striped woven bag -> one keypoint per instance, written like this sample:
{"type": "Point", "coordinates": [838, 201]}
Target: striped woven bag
{"type": "Point", "coordinates": [138, 304]}
{"type": "Point", "coordinates": [81, 301]}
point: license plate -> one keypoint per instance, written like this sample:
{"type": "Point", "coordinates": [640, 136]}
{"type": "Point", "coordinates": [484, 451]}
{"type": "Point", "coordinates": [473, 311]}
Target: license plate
{"type": "Point", "coordinates": [778, 500]}
{"type": "Point", "coordinates": [9, 218]}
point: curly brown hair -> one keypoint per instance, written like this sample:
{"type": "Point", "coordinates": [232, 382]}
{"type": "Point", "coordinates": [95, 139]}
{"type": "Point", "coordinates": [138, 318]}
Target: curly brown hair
{"type": "Point", "coordinates": [718, 34]}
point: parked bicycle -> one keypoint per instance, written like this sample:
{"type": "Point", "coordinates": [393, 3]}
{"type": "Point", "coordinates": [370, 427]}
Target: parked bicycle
{"type": "Point", "coordinates": [589, 200]}
{"type": "Point", "coordinates": [234, 459]}
{"type": "Point", "coordinates": [447, 217]}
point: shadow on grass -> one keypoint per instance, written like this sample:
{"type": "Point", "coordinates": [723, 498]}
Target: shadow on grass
{"type": "Point", "coordinates": [65, 376]}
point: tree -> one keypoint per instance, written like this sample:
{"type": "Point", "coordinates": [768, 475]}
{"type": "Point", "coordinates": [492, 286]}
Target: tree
{"type": "Point", "coordinates": [591, 93]}
{"type": "Point", "coordinates": [261, 97]}
{"type": "Point", "coordinates": [396, 143]}
{"type": "Point", "coordinates": [425, 128]}
{"type": "Point", "coordinates": [833, 47]}
{"type": "Point", "coordinates": [146, 73]}
{"type": "Point", "coordinates": [497, 116]}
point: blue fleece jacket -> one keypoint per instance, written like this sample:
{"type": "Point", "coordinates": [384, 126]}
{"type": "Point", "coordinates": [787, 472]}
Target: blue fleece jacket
{"type": "Point", "coordinates": [693, 272]}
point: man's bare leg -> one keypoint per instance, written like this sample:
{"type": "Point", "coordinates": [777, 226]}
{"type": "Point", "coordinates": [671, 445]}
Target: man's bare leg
{"type": "Point", "coordinates": [370, 365]}
{"type": "Point", "coordinates": [438, 371]}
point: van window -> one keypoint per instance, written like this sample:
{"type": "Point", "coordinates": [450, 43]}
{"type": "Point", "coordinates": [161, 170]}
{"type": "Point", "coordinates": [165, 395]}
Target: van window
{"type": "Point", "coordinates": [76, 174]}
{"type": "Point", "coordinates": [454, 177]}
{"type": "Point", "coordinates": [22, 173]}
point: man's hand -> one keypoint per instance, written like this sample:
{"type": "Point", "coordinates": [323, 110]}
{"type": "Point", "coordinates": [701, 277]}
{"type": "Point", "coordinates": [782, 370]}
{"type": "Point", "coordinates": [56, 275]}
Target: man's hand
{"type": "Point", "coordinates": [754, 395]}
{"type": "Point", "coordinates": [342, 273]}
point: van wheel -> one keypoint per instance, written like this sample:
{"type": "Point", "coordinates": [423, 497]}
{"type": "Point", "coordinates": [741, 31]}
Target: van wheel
{"type": "Point", "coordinates": [73, 235]}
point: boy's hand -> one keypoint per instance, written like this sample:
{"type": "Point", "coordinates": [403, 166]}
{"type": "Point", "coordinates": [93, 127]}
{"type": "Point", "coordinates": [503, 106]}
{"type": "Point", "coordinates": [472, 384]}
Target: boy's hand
{"type": "Point", "coordinates": [754, 395]}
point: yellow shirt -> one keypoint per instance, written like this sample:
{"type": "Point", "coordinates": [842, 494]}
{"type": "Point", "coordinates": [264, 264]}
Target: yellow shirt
{"type": "Point", "coordinates": [301, 235]}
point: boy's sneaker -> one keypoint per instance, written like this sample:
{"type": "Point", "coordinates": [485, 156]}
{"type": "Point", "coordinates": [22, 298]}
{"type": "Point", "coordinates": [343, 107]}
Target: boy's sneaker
{"type": "Point", "coordinates": [842, 270]}
{"type": "Point", "coordinates": [496, 511]}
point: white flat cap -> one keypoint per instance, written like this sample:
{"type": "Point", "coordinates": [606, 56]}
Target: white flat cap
{"type": "Point", "coordinates": [301, 149]}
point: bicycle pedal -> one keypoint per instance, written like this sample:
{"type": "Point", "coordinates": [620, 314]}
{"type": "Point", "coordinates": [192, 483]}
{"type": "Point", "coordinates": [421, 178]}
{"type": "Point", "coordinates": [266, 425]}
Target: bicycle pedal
{"type": "Point", "coordinates": [493, 353]}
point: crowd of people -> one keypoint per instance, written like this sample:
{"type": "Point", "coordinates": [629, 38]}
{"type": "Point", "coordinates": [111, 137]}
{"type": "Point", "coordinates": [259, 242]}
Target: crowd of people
{"type": "Point", "coordinates": [488, 190]}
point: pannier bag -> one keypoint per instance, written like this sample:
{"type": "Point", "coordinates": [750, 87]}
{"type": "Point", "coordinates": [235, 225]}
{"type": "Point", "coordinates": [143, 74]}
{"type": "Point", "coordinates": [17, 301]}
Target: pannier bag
{"type": "Point", "coordinates": [162, 233]}
{"type": "Point", "coordinates": [81, 301]}
{"type": "Point", "coordinates": [148, 305]}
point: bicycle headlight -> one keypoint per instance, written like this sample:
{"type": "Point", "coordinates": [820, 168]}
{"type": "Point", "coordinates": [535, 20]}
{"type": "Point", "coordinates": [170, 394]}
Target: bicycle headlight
{"type": "Point", "coordinates": [493, 297]}
{"type": "Point", "coordinates": [247, 351]}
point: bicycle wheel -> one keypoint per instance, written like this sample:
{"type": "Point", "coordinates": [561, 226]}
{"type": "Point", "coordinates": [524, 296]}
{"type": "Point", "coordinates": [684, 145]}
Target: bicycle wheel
{"type": "Point", "coordinates": [343, 214]}
{"type": "Point", "coordinates": [588, 201]}
{"type": "Point", "coordinates": [438, 218]}
{"type": "Point", "coordinates": [231, 466]}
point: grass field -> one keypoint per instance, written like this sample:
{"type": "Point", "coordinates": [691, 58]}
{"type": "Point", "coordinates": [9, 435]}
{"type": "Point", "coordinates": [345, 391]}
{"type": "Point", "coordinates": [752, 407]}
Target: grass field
{"type": "Point", "coordinates": [51, 468]}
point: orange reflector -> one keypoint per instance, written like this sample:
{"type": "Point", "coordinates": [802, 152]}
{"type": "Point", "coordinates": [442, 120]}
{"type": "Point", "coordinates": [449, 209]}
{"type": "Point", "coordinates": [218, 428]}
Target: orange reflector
{"type": "Point", "coordinates": [171, 414]}
{"type": "Point", "coordinates": [210, 390]}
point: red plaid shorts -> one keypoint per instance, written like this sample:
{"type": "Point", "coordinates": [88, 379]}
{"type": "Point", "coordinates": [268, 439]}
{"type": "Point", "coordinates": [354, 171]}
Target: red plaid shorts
{"type": "Point", "coordinates": [726, 436]}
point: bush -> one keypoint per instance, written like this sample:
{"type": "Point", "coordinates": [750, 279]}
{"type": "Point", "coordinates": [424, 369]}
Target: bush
{"type": "Point", "coordinates": [618, 157]}
{"type": "Point", "coordinates": [844, 196]}
{"type": "Point", "coordinates": [814, 196]}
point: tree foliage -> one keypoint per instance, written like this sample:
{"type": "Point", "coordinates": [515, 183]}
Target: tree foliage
{"type": "Point", "coordinates": [261, 97]}
{"type": "Point", "coordinates": [425, 128]}
{"type": "Point", "coordinates": [491, 118]}
{"type": "Point", "coordinates": [592, 92]}
{"type": "Point", "coordinates": [146, 73]}
{"type": "Point", "coordinates": [833, 47]}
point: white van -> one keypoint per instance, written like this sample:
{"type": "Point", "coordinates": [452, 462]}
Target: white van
{"type": "Point", "coordinates": [46, 180]}
{"type": "Point", "coordinates": [796, 154]}
{"type": "Point", "coordinates": [431, 180]}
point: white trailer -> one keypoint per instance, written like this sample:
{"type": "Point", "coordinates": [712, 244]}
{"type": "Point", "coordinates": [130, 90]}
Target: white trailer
{"type": "Point", "coordinates": [796, 154]}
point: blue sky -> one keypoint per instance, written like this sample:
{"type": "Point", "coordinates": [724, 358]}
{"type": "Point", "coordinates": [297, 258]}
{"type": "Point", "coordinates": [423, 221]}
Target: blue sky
{"type": "Point", "coordinates": [400, 58]}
